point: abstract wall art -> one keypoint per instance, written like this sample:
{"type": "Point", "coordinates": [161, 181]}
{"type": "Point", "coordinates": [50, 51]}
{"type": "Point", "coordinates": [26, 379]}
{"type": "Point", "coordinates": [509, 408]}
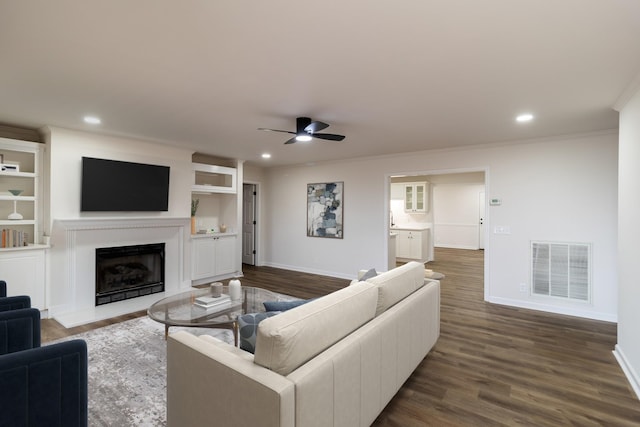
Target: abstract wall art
{"type": "Point", "coordinates": [325, 210]}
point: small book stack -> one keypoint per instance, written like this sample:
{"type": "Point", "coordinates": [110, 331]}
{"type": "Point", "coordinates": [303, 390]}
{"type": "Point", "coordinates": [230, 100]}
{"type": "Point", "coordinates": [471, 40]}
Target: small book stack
{"type": "Point", "coordinates": [209, 303]}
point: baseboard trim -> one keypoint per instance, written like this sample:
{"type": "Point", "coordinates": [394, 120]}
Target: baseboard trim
{"type": "Point", "coordinates": [567, 311]}
{"type": "Point", "coordinates": [311, 271]}
{"type": "Point", "coordinates": [629, 372]}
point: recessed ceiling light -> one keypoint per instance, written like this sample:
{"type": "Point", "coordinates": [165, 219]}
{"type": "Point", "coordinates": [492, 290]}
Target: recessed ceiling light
{"type": "Point", "coordinates": [92, 120]}
{"type": "Point", "coordinates": [266, 156]}
{"type": "Point", "coordinates": [524, 118]}
{"type": "Point", "coordinates": [303, 138]}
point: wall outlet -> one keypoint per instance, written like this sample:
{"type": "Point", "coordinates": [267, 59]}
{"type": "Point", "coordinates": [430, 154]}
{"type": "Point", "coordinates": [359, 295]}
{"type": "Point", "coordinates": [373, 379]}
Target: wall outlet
{"type": "Point", "coordinates": [502, 229]}
{"type": "Point", "coordinates": [523, 287]}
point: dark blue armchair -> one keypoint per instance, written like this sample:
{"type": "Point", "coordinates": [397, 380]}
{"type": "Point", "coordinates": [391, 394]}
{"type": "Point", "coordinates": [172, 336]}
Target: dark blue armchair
{"type": "Point", "coordinates": [40, 386]}
{"type": "Point", "coordinates": [12, 303]}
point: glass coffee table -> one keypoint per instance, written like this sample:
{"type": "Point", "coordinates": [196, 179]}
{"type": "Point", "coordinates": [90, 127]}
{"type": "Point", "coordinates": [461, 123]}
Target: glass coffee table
{"type": "Point", "coordinates": [182, 310]}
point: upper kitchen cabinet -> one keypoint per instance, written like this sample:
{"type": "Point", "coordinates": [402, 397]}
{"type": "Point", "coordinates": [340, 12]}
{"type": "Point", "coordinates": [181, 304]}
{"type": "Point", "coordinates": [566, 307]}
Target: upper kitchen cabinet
{"type": "Point", "coordinates": [416, 198]}
{"type": "Point", "coordinates": [213, 179]}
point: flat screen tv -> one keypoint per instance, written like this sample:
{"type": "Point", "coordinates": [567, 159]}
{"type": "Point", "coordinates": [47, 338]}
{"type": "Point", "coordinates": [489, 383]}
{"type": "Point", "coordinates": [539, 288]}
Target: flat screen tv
{"type": "Point", "coordinates": [113, 185]}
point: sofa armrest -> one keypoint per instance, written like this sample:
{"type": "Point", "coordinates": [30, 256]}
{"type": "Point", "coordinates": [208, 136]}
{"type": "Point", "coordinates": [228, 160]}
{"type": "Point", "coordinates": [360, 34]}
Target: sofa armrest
{"type": "Point", "coordinates": [45, 386]}
{"type": "Point", "coordinates": [3, 288]}
{"type": "Point", "coordinates": [19, 330]}
{"type": "Point", "coordinates": [206, 381]}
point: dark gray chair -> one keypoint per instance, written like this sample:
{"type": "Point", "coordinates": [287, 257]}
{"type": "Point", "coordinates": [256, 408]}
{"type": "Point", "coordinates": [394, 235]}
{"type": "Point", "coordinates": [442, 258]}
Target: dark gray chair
{"type": "Point", "coordinates": [41, 386]}
{"type": "Point", "coordinates": [12, 303]}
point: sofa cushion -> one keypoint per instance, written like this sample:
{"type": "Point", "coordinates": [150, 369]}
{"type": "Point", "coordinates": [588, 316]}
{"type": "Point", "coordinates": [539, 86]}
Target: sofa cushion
{"type": "Point", "coordinates": [394, 285]}
{"type": "Point", "coordinates": [247, 327]}
{"type": "Point", "coordinates": [287, 341]}
{"type": "Point", "coordinates": [369, 274]}
{"type": "Point", "coordinates": [283, 305]}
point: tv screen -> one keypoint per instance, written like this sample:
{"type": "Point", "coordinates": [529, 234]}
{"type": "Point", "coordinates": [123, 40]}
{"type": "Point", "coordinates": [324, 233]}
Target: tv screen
{"type": "Point", "coordinates": [112, 185]}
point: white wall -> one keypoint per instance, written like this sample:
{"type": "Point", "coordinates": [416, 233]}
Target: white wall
{"type": "Point", "coordinates": [66, 149]}
{"type": "Point", "coordinates": [628, 347]}
{"type": "Point", "coordinates": [560, 189]}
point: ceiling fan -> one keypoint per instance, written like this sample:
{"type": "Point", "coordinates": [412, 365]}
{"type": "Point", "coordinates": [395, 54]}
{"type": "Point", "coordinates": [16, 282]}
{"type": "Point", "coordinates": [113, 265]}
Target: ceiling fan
{"type": "Point", "coordinates": [306, 130]}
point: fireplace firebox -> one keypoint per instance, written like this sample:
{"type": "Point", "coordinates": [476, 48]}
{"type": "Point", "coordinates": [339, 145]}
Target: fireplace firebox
{"type": "Point", "coordinates": [126, 272]}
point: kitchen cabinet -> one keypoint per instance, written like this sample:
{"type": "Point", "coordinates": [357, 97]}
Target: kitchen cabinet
{"type": "Point", "coordinates": [213, 256]}
{"type": "Point", "coordinates": [413, 245]}
{"type": "Point", "coordinates": [416, 197]}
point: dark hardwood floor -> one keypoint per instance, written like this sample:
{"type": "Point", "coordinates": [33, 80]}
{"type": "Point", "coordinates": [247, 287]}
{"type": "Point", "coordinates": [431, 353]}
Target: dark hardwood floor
{"type": "Point", "coordinates": [492, 365]}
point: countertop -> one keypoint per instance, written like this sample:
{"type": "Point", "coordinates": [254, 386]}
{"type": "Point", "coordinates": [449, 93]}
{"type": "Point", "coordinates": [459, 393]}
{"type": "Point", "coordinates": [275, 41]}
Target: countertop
{"type": "Point", "coordinates": [411, 227]}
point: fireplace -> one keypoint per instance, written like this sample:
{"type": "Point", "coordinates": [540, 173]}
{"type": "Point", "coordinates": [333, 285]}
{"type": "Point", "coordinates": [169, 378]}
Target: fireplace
{"type": "Point", "coordinates": [126, 272]}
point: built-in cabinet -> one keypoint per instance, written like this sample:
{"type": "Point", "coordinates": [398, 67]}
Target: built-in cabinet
{"type": "Point", "coordinates": [20, 174]}
{"type": "Point", "coordinates": [212, 256]}
{"type": "Point", "coordinates": [415, 197]}
{"type": "Point", "coordinates": [22, 267]}
{"type": "Point", "coordinates": [214, 245]}
{"type": "Point", "coordinates": [413, 245]}
{"type": "Point", "coordinates": [213, 179]}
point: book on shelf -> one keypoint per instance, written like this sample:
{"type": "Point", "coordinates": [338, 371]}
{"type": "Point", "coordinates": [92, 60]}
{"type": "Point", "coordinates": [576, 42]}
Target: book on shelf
{"type": "Point", "coordinates": [13, 238]}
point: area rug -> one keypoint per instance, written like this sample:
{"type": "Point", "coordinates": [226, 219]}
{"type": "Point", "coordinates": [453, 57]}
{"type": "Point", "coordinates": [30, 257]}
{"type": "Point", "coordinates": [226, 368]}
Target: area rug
{"type": "Point", "coordinates": [128, 372]}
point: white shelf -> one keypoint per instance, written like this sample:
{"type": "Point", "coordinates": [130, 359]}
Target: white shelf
{"type": "Point", "coordinates": [18, 174]}
{"type": "Point", "coordinates": [17, 222]}
{"type": "Point", "coordinates": [17, 198]}
{"type": "Point", "coordinates": [30, 247]}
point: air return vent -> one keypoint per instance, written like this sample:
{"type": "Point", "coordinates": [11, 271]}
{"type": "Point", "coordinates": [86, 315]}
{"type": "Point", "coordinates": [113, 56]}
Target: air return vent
{"type": "Point", "coordinates": [561, 270]}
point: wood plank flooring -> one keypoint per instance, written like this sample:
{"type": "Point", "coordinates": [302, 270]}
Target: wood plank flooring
{"type": "Point", "coordinates": [492, 365]}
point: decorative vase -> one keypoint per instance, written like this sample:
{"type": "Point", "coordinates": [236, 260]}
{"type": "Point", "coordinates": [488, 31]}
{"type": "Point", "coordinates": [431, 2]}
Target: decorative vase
{"type": "Point", "coordinates": [193, 225]}
{"type": "Point", "coordinates": [235, 289]}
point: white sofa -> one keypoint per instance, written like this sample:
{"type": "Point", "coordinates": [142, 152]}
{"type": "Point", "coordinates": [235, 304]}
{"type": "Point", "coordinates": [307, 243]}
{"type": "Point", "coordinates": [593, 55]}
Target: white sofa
{"type": "Point", "coordinates": [335, 361]}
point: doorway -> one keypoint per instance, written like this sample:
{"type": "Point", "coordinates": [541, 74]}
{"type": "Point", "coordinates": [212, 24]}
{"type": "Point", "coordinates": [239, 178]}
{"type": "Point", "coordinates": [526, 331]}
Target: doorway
{"type": "Point", "coordinates": [249, 223]}
{"type": "Point", "coordinates": [456, 217]}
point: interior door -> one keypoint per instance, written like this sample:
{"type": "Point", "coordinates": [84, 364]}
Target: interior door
{"type": "Point", "coordinates": [481, 209]}
{"type": "Point", "coordinates": [249, 224]}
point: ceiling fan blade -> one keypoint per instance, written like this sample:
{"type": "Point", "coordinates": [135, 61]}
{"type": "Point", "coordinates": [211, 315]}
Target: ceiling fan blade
{"type": "Point", "coordinates": [315, 127]}
{"type": "Point", "coordinates": [277, 130]}
{"type": "Point", "coordinates": [292, 140]}
{"type": "Point", "coordinates": [329, 136]}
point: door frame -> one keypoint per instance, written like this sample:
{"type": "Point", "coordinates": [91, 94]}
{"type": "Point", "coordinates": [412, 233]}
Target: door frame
{"type": "Point", "coordinates": [257, 259]}
{"type": "Point", "coordinates": [487, 221]}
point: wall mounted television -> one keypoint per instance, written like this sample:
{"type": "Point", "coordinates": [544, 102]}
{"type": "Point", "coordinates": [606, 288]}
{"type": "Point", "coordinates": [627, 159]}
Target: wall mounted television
{"type": "Point", "coordinates": [113, 185]}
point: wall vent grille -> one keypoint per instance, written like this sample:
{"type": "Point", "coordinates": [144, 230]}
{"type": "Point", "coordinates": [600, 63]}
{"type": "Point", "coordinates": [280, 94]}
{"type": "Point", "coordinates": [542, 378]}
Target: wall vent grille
{"type": "Point", "coordinates": [561, 270]}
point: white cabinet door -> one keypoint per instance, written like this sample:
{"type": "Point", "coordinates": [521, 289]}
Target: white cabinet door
{"type": "Point", "coordinates": [225, 255]}
{"type": "Point", "coordinates": [411, 244]}
{"type": "Point", "coordinates": [203, 253]}
{"type": "Point", "coordinates": [23, 270]}
{"type": "Point", "coordinates": [212, 256]}
{"type": "Point", "coordinates": [403, 244]}
{"type": "Point", "coordinates": [416, 197]}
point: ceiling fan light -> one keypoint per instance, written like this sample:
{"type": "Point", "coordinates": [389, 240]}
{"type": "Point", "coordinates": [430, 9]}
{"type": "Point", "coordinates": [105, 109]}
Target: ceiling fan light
{"type": "Point", "coordinates": [303, 138]}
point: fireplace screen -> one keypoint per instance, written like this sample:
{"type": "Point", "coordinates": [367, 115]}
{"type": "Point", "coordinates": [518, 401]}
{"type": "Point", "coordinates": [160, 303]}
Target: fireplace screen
{"type": "Point", "coordinates": [126, 272]}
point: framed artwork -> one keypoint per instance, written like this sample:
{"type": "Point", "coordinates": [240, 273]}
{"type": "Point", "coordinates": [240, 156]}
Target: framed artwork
{"type": "Point", "coordinates": [325, 209]}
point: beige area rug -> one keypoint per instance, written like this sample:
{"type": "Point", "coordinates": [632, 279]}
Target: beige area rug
{"type": "Point", "coordinates": [127, 372]}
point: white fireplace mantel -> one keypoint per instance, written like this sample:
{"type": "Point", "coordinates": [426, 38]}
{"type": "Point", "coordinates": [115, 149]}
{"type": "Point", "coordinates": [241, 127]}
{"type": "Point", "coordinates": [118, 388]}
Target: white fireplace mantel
{"type": "Point", "coordinates": [71, 291]}
{"type": "Point", "coordinates": [119, 223]}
